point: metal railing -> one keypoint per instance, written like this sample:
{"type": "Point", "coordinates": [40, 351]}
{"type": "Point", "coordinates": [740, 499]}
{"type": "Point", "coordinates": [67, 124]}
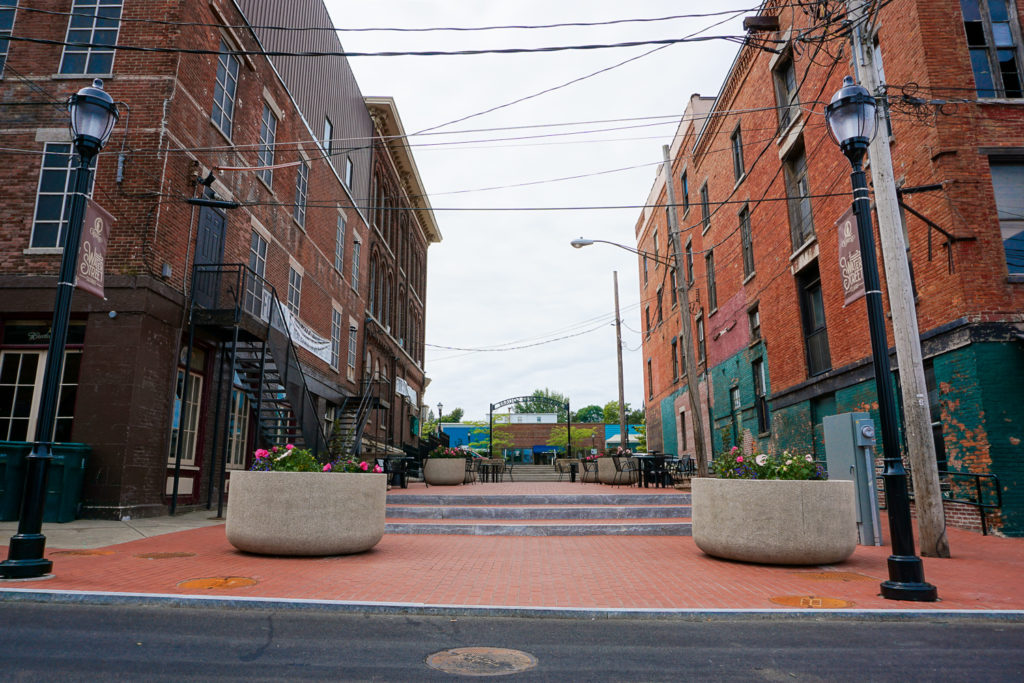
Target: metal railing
{"type": "Point", "coordinates": [967, 488]}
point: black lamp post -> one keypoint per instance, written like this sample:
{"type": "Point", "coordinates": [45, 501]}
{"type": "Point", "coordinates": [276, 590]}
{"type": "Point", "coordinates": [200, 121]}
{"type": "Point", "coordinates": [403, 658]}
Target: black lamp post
{"type": "Point", "coordinates": [851, 123]}
{"type": "Point", "coordinates": [439, 409]}
{"type": "Point", "coordinates": [93, 115]}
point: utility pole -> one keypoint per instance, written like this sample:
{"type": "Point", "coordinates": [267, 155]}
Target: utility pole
{"type": "Point", "coordinates": [623, 433]}
{"type": "Point", "coordinates": [683, 297]}
{"type": "Point", "coordinates": [917, 426]}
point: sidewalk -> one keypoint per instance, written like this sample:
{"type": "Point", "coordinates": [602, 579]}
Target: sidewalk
{"type": "Point", "coordinates": [187, 557]}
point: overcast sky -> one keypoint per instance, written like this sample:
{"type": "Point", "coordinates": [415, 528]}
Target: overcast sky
{"type": "Point", "coordinates": [510, 278]}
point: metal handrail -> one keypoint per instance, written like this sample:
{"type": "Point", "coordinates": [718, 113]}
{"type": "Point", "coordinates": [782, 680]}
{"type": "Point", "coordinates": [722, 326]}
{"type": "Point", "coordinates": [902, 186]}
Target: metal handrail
{"type": "Point", "coordinates": [977, 500]}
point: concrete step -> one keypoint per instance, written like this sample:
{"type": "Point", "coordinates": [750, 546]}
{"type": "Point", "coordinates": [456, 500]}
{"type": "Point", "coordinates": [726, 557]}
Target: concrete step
{"type": "Point", "coordinates": [513, 512]}
{"type": "Point", "coordinates": [679, 528]}
{"type": "Point", "coordinates": [541, 499]}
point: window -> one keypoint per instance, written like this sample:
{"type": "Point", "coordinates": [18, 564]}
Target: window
{"type": "Point", "coordinates": [675, 359]}
{"type": "Point", "coordinates": [705, 209]}
{"type": "Point", "coordinates": [21, 388]}
{"type": "Point", "coordinates": [6, 25]}
{"type": "Point", "coordinates": [647, 319]}
{"type": "Point", "coordinates": [658, 309]}
{"type": "Point", "coordinates": [645, 269]}
{"type": "Point", "coordinates": [683, 436]}
{"type": "Point", "coordinates": [801, 225]}
{"type": "Point", "coordinates": [53, 202]}
{"type": "Point", "coordinates": [294, 291]}
{"type": "Point", "coordinates": [301, 189]}
{"type": "Point", "coordinates": [238, 426]}
{"type": "Point", "coordinates": [674, 284]}
{"type": "Point", "coordinates": [736, 414]}
{"type": "Point", "coordinates": [650, 380]}
{"type": "Point", "coordinates": [353, 333]}
{"type": "Point", "coordinates": [737, 153]}
{"type": "Point", "coordinates": [812, 310]}
{"type": "Point", "coordinates": [685, 182]}
{"type": "Point", "coordinates": [701, 349]}
{"type": "Point", "coordinates": [257, 297]}
{"type": "Point", "coordinates": [185, 421]}
{"type": "Point", "coordinates": [95, 22]}
{"type": "Point", "coordinates": [761, 396]}
{"type": "Point", "coordinates": [656, 250]}
{"type": "Point", "coordinates": [689, 261]}
{"type": "Point", "coordinates": [709, 264]}
{"type": "Point", "coordinates": [268, 140]}
{"type": "Point", "coordinates": [348, 172]}
{"type": "Point", "coordinates": [992, 41]}
{"type": "Point", "coordinates": [747, 241]}
{"type": "Point", "coordinates": [224, 90]}
{"type": "Point", "coordinates": [1008, 184]}
{"type": "Point", "coordinates": [786, 92]}
{"type": "Point", "coordinates": [754, 321]}
{"type": "Point", "coordinates": [356, 246]}
{"type": "Point", "coordinates": [328, 141]}
{"type": "Point", "coordinates": [339, 245]}
{"type": "Point", "coordinates": [335, 338]}
{"type": "Point", "coordinates": [682, 358]}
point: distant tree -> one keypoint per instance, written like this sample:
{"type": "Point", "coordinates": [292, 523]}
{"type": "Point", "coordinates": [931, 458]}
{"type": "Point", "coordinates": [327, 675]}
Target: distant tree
{"type": "Point", "coordinates": [589, 414]}
{"type": "Point", "coordinates": [641, 444]}
{"type": "Point", "coordinates": [635, 417]}
{"type": "Point", "coordinates": [559, 439]}
{"type": "Point", "coordinates": [454, 416]}
{"type": "Point", "coordinates": [479, 439]}
{"type": "Point", "coordinates": [611, 412]}
{"type": "Point", "coordinates": [532, 406]}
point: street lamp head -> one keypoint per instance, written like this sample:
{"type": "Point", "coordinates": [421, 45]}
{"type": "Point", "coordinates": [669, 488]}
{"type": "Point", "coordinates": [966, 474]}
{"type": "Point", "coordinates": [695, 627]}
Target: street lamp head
{"type": "Point", "coordinates": [580, 243]}
{"type": "Point", "coordinates": [93, 115]}
{"type": "Point", "coordinates": [851, 119]}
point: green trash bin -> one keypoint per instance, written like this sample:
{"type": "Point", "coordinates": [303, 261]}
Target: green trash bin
{"type": "Point", "coordinates": [64, 481]}
{"type": "Point", "coordinates": [12, 477]}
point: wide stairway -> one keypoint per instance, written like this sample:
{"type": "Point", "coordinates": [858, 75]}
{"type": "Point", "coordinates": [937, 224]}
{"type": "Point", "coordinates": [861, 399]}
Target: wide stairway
{"type": "Point", "coordinates": [583, 514]}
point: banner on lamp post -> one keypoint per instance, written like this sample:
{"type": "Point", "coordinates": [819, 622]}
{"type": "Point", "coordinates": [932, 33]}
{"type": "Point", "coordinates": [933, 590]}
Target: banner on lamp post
{"type": "Point", "coordinates": [851, 267]}
{"type": "Point", "coordinates": [92, 251]}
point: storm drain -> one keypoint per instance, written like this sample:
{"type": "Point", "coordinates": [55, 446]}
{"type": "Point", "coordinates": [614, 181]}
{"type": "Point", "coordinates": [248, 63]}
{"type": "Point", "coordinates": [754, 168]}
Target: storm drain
{"type": "Point", "coordinates": [811, 602]}
{"type": "Point", "coordinates": [218, 583]}
{"type": "Point", "coordinates": [163, 556]}
{"type": "Point", "coordinates": [833, 576]}
{"type": "Point", "coordinates": [481, 661]}
{"type": "Point", "coordinates": [82, 552]}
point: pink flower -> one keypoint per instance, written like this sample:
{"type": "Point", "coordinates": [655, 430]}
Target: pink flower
{"type": "Point", "coordinates": [364, 466]}
{"type": "Point", "coordinates": [274, 449]}
{"type": "Point", "coordinates": [262, 452]}
{"type": "Point", "coordinates": [735, 448]}
{"type": "Point", "coordinates": [378, 469]}
{"type": "Point", "coordinates": [289, 446]}
{"type": "Point", "coordinates": [739, 458]}
{"type": "Point", "coordinates": [327, 467]}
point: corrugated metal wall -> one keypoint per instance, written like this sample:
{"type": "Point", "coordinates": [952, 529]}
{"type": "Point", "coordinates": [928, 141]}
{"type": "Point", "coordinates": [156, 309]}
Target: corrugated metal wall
{"type": "Point", "coordinates": [321, 86]}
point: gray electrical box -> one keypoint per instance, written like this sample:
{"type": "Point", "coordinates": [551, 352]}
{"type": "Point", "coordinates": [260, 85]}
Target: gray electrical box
{"type": "Point", "coordinates": [850, 455]}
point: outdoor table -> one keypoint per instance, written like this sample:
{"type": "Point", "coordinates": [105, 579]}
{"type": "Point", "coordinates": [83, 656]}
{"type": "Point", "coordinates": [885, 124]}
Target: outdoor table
{"type": "Point", "coordinates": [647, 462]}
{"type": "Point", "coordinates": [397, 470]}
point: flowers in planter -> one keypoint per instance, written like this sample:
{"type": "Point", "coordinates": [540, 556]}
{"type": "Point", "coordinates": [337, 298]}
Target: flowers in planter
{"type": "Point", "coordinates": [446, 452]}
{"type": "Point", "coordinates": [735, 464]}
{"type": "Point", "coordinates": [292, 459]}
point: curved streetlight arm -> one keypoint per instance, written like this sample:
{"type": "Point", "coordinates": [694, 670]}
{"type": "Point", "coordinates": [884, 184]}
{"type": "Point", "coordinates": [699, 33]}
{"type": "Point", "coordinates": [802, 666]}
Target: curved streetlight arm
{"type": "Point", "coordinates": [584, 242]}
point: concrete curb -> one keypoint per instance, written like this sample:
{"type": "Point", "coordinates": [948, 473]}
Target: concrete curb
{"type": "Point", "coordinates": [18, 595]}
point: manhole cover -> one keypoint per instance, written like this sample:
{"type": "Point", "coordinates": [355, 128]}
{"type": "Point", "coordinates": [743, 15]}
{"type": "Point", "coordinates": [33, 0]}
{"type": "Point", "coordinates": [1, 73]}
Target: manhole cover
{"type": "Point", "coordinates": [811, 602]}
{"type": "Point", "coordinates": [218, 582]}
{"type": "Point", "coordinates": [833, 576]}
{"type": "Point", "coordinates": [83, 552]}
{"type": "Point", "coordinates": [481, 661]}
{"type": "Point", "coordinates": [162, 556]}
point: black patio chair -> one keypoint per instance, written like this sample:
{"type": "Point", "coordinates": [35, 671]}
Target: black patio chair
{"type": "Point", "coordinates": [625, 469]}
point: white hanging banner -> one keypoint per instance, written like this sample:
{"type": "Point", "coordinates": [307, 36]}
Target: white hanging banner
{"type": "Point", "coordinates": [305, 337]}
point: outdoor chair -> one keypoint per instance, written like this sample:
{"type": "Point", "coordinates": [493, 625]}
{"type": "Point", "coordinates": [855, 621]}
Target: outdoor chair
{"type": "Point", "coordinates": [507, 469]}
{"type": "Point", "coordinates": [625, 471]}
{"type": "Point", "coordinates": [589, 471]}
{"type": "Point", "coordinates": [655, 471]}
{"type": "Point", "coordinates": [563, 467]}
{"type": "Point", "coordinates": [471, 471]}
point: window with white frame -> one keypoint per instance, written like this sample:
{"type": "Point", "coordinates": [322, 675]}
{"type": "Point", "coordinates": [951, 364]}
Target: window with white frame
{"type": "Point", "coordinates": [6, 26]}
{"type": "Point", "coordinates": [294, 291]}
{"type": "Point", "coordinates": [993, 40]}
{"type": "Point", "coordinates": [737, 153]}
{"type": "Point", "coordinates": [224, 90]}
{"type": "Point", "coordinates": [301, 190]}
{"type": "Point", "coordinates": [21, 387]}
{"type": "Point", "coordinates": [328, 141]}
{"type": "Point", "coordinates": [1008, 184]}
{"type": "Point", "coordinates": [348, 172]}
{"type": "Point", "coordinates": [786, 98]}
{"type": "Point", "coordinates": [801, 224]}
{"type": "Point", "coordinates": [238, 426]}
{"type": "Point", "coordinates": [335, 338]}
{"type": "Point", "coordinates": [53, 201]}
{"type": "Point", "coordinates": [185, 421]}
{"type": "Point", "coordinates": [701, 348]}
{"type": "Point", "coordinates": [339, 245]}
{"type": "Point", "coordinates": [356, 246]}
{"type": "Point", "coordinates": [268, 140]}
{"type": "Point", "coordinates": [353, 334]}
{"type": "Point", "coordinates": [95, 23]}
{"type": "Point", "coordinates": [256, 295]}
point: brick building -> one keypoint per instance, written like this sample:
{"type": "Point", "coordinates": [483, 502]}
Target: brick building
{"type": "Point", "coordinates": [255, 292]}
{"type": "Point", "coordinates": [760, 187]}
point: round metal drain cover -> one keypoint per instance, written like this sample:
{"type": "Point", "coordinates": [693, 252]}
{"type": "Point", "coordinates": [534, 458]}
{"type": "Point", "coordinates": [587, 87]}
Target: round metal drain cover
{"type": "Point", "coordinates": [163, 556]}
{"type": "Point", "coordinates": [481, 661]}
{"type": "Point", "coordinates": [218, 582]}
{"type": "Point", "coordinates": [83, 552]}
{"type": "Point", "coordinates": [833, 576]}
{"type": "Point", "coordinates": [811, 602]}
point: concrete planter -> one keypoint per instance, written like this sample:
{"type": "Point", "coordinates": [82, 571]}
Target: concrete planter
{"type": "Point", "coordinates": [606, 473]}
{"type": "Point", "coordinates": [444, 471]}
{"type": "Point", "coordinates": [305, 513]}
{"type": "Point", "coordinates": [775, 522]}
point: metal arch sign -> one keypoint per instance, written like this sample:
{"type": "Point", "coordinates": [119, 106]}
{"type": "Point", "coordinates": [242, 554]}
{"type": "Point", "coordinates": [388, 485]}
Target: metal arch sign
{"type": "Point", "coordinates": [517, 399]}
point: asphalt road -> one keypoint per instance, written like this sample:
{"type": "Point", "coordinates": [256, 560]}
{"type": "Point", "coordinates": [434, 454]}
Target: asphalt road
{"type": "Point", "coordinates": [49, 642]}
